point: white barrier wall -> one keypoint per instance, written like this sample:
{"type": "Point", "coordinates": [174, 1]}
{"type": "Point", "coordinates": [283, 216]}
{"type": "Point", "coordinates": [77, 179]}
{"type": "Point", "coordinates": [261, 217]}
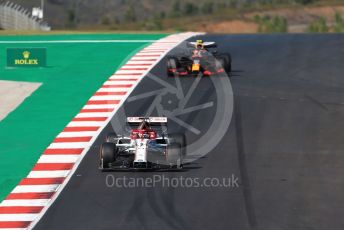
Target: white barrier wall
{"type": "Point", "coordinates": [15, 17]}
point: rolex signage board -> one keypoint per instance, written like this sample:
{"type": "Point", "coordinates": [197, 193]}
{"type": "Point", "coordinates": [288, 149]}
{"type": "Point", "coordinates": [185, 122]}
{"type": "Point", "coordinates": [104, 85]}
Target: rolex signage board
{"type": "Point", "coordinates": [26, 57]}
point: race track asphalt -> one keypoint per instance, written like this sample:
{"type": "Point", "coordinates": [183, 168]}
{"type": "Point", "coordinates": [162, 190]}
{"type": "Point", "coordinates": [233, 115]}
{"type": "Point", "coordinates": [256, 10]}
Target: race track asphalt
{"type": "Point", "coordinates": [284, 143]}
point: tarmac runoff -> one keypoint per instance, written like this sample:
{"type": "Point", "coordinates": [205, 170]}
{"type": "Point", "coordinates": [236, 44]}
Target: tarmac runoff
{"type": "Point", "coordinates": [13, 93]}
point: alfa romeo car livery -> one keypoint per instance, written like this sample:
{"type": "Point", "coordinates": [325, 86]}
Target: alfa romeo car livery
{"type": "Point", "coordinates": [146, 146]}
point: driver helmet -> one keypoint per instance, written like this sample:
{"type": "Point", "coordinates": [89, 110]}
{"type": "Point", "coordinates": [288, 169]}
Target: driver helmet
{"type": "Point", "coordinates": [199, 44]}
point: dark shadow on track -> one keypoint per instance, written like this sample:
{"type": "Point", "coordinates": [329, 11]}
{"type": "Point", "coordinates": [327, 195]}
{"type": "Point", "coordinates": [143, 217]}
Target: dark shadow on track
{"type": "Point", "coordinates": [245, 180]}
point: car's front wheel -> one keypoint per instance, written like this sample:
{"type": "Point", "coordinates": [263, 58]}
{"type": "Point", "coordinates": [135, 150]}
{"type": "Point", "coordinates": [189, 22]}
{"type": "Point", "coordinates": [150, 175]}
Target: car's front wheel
{"type": "Point", "coordinates": [112, 137]}
{"type": "Point", "coordinates": [172, 66]}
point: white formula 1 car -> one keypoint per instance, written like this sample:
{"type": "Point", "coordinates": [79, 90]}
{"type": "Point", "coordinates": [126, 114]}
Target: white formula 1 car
{"type": "Point", "coordinates": [145, 147]}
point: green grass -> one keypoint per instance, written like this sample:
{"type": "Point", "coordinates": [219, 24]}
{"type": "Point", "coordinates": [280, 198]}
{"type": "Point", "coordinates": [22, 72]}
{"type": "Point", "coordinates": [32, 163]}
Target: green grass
{"type": "Point", "coordinates": [267, 24]}
{"type": "Point", "coordinates": [74, 73]}
{"type": "Point", "coordinates": [318, 26]}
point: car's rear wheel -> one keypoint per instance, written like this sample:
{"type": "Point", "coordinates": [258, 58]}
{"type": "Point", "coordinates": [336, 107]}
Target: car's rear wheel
{"type": "Point", "coordinates": [228, 59]}
{"type": "Point", "coordinates": [222, 63]}
{"type": "Point", "coordinates": [108, 153]}
{"type": "Point", "coordinates": [180, 139]}
{"type": "Point", "coordinates": [225, 62]}
{"type": "Point", "coordinates": [174, 155]}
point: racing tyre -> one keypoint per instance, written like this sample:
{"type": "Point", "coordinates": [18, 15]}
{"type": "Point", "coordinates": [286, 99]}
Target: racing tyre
{"type": "Point", "coordinates": [172, 63]}
{"type": "Point", "coordinates": [180, 139]}
{"type": "Point", "coordinates": [112, 137]}
{"type": "Point", "coordinates": [174, 155]}
{"type": "Point", "coordinates": [222, 63]}
{"type": "Point", "coordinates": [228, 59]}
{"type": "Point", "coordinates": [225, 62]}
{"type": "Point", "coordinates": [108, 153]}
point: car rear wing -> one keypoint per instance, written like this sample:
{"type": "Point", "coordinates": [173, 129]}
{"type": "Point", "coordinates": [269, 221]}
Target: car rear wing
{"type": "Point", "coordinates": [205, 44]}
{"type": "Point", "coordinates": [151, 120]}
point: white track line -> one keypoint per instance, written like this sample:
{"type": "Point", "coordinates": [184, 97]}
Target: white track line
{"type": "Point", "coordinates": [85, 123]}
{"type": "Point", "coordinates": [13, 228]}
{"type": "Point", "coordinates": [143, 58]}
{"type": "Point", "coordinates": [35, 188]}
{"type": "Point", "coordinates": [119, 83]}
{"type": "Point", "coordinates": [144, 62]}
{"type": "Point", "coordinates": [112, 89]}
{"type": "Point", "coordinates": [76, 134]}
{"type": "Point", "coordinates": [106, 106]}
{"type": "Point", "coordinates": [150, 53]}
{"type": "Point", "coordinates": [133, 67]}
{"type": "Point", "coordinates": [159, 49]}
{"type": "Point", "coordinates": [107, 97]}
{"type": "Point", "coordinates": [23, 202]}
{"type": "Point", "coordinates": [58, 158]}
{"type": "Point", "coordinates": [48, 174]}
{"type": "Point", "coordinates": [80, 115]}
{"type": "Point", "coordinates": [18, 217]}
{"type": "Point", "coordinates": [130, 71]}
{"type": "Point", "coordinates": [75, 41]}
{"type": "Point", "coordinates": [117, 76]}
{"type": "Point", "coordinates": [68, 145]}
